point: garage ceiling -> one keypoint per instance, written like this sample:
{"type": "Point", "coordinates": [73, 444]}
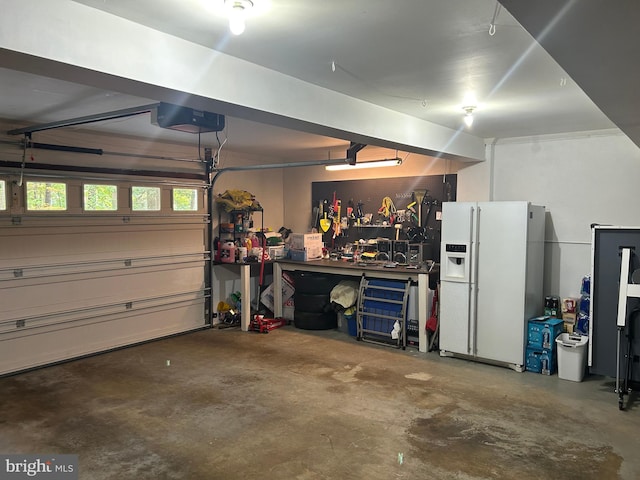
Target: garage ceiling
{"type": "Point", "coordinates": [417, 57]}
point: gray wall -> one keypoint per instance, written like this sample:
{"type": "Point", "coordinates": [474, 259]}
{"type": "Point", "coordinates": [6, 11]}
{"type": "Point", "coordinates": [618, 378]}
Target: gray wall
{"type": "Point", "coordinates": [580, 178]}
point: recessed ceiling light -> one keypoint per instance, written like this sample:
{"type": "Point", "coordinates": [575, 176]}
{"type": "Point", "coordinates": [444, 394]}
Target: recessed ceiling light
{"type": "Point", "coordinates": [468, 117]}
{"type": "Point", "coordinates": [238, 11]}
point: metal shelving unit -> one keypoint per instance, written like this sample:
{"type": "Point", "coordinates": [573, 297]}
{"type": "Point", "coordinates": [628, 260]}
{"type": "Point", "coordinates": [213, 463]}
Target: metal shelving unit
{"type": "Point", "coordinates": [242, 220]}
{"type": "Point", "coordinates": [382, 311]}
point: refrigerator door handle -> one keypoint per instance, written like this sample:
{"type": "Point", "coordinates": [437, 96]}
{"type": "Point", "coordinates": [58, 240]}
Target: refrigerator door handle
{"type": "Point", "coordinates": [469, 319]}
{"type": "Point", "coordinates": [475, 249]}
{"type": "Point", "coordinates": [470, 259]}
{"type": "Point", "coordinates": [475, 252]}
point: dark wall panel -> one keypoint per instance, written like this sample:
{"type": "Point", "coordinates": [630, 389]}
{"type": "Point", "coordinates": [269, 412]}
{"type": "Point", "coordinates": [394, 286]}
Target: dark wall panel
{"type": "Point", "coordinates": [429, 192]}
{"type": "Point", "coordinates": [608, 243]}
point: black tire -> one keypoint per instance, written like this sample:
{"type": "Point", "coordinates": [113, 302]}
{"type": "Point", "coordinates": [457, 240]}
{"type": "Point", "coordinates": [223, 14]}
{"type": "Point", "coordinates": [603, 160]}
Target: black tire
{"type": "Point", "coordinates": [313, 283]}
{"type": "Point", "coordinates": [315, 321]}
{"type": "Point", "coordinates": [314, 303]}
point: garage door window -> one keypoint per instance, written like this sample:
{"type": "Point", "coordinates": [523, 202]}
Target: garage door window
{"type": "Point", "coordinates": [145, 198]}
{"type": "Point", "coordinates": [185, 199]}
{"type": "Point", "coordinates": [46, 196]}
{"type": "Point", "coordinates": [100, 198]}
{"type": "Point", "coordinates": [3, 195]}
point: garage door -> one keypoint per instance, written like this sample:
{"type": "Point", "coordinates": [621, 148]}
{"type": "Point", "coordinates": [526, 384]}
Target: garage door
{"type": "Point", "coordinates": [91, 265]}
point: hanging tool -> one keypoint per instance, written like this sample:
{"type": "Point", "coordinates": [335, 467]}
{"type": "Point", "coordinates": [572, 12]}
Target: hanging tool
{"type": "Point", "coordinates": [262, 261]}
{"type": "Point", "coordinates": [387, 209]}
{"type": "Point", "coordinates": [330, 207]}
{"type": "Point", "coordinates": [335, 206]}
{"type": "Point", "coordinates": [418, 196]}
{"type": "Point", "coordinates": [430, 202]}
{"type": "Point", "coordinates": [413, 215]}
{"type": "Point", "coordinates": [398, 227]}
{"type": "Point", "coordinates": [337, 221]}
{"type": "Point", "coordinates": [316, 215]}
{"type": "Point", "coordinates": [325, 223]}
{"type": "Point", "coordinates": [359, 211]}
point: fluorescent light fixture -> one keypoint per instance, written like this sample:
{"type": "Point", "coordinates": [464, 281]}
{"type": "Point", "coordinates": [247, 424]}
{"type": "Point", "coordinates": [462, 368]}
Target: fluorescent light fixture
{"type": "Point", "coordinates": [394, 162]}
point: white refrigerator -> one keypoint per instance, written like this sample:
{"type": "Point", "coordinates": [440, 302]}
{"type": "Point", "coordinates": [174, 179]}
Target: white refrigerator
{"type": "Point", "coordinates": [491, 279]}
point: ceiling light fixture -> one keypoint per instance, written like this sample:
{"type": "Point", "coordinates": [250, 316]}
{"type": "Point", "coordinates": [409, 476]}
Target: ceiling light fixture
{"type": "Point", "coordinates": [238, 10]}
{"type": "Point", "coordinates": [393, 162]}
{"type": "Point", "coordinates": [468, 117]}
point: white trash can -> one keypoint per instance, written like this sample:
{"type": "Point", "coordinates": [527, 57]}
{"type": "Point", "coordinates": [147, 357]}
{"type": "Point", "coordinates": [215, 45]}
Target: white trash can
{"type": "Point", "coordinates": [572, 355]}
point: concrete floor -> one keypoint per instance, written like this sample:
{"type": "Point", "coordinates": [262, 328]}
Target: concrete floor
{"type": "Point", "coordinates": [223, 404]}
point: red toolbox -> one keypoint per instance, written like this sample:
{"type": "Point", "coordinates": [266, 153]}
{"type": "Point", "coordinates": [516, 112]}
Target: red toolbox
{"type": "Point", "coordinates": [264, 325]}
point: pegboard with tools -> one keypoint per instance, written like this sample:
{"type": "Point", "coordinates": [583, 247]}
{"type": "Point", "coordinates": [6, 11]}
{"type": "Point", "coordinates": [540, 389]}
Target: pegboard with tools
{"type": "Point", "coordinates": [403, 208]}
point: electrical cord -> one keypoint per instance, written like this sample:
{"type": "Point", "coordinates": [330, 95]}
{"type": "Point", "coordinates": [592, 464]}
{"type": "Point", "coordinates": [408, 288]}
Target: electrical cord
{"type": "Point", "coordinates": [492, 25]}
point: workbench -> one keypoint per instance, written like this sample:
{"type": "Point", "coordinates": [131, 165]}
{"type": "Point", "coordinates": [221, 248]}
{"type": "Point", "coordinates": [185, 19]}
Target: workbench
{"type": "Point", "coordinates": [349, 269]}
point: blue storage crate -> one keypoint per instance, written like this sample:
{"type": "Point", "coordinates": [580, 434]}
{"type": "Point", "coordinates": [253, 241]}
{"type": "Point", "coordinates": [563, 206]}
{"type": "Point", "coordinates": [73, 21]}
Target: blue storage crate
{"type": "Point", "coordinates": [383, 325]}
{"type": "Point", "coordinates": [541, 360]}
{"type": "Point", "coordinates": [382, 293]}
{"type": "Point", "coordinates": [382, 308]}
{"type": "Point", "coordinates": [542, 332]}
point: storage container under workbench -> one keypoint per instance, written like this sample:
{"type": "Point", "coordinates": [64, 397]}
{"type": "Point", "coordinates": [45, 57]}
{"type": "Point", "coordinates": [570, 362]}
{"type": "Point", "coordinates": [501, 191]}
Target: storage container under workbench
{"type": "Point", "coordinates": [420, 276]}
{"type": "Point", "coordinates": [382, 311]}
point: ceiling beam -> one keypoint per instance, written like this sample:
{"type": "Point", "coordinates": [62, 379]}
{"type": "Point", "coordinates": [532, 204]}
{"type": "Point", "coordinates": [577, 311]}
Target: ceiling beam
{"type": "Point", "coordinates": [70, 41]}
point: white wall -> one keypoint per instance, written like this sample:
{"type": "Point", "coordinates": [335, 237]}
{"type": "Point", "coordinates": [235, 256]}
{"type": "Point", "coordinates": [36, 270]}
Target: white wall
{"type": "Point", "coordinates": [580, 178]}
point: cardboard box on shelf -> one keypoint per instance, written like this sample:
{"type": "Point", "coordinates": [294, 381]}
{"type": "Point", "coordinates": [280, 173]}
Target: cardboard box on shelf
{"type": "Point", "coordinates": [276, 252]}
{"type": "Point", "coordinates": [308, 253]}
{"type": "Point", "coordinates": [569, 305]}
{"type": "Point", "coordinates": [300, 241]}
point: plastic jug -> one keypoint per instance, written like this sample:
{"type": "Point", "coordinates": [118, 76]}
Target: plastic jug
{"type": "Point", "coordinates": [228, 252]}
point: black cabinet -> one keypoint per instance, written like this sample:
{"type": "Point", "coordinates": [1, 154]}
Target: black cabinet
{"type": "Point", "coordinates": [607, 244]}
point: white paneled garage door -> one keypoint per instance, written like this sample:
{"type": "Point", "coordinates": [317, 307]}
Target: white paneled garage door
{"type": "Point", "coordinates": [75, 281]}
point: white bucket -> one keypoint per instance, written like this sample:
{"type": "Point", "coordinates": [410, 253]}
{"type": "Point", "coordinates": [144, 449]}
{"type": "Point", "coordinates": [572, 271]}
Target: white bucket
{"type": "Point", "coordinates": [572, 354]}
